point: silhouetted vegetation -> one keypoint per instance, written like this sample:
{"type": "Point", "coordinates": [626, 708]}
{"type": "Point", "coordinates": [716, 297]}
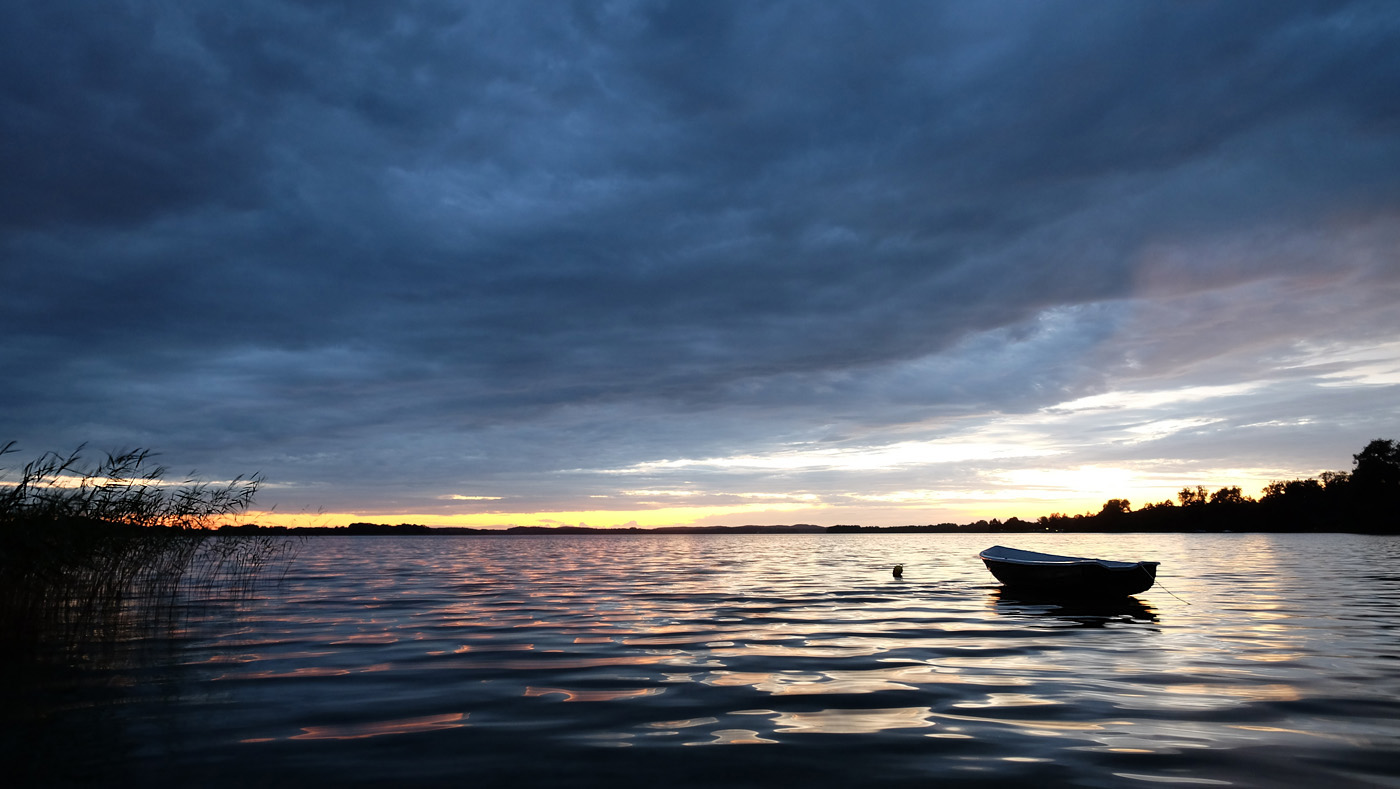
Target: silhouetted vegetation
{"type": "Point", "coordinates": [90, 552]}
{"type": "Point", "coordinates": [1366, 500]}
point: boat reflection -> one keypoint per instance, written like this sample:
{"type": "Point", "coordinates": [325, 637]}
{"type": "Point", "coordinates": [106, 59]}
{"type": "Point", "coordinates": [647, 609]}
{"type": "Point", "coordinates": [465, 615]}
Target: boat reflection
{"type": "Point", "coordinates": [1078, 612]}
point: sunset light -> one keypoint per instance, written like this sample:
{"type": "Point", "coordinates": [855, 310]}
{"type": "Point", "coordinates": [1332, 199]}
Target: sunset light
{"type": "Point", "coordinates": [938, 285]}
{"type": "Point", "coordinates": [693, 394]}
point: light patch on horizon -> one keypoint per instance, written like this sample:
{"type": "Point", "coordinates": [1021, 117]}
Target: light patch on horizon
{"type": "Point", "coordinates": [923, 497]}
{"type": "Point", "coordinates": [1368, 366]}
{"type": "Point", "coordinates": [795, 496]}
{"type": "Point", "coordinates": [1162, 428]}
{"type": "Point", "coordinates": [868, 458]}
{"type": "Point", "coordinates": [1276, 423]}
{"type": "Point", "coordinates": [1125, 399]}
{"type": "Point", "coordinates": [603, 518]}
{"type": "Point", "coordinates": [1070, 482]}
{"type": "Point", "coordinates": [660, 308]}
{"type": "Point", "coordinates": [1002, 459]}
{"type": "Point", "coordinates": [1147, 483]}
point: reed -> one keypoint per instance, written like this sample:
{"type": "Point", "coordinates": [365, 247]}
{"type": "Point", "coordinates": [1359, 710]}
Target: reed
{"type": "Point", "coordinates": [97, 553]}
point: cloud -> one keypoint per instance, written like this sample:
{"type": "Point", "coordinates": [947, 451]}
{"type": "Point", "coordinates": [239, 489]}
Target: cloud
{"type": "Point", "coordinates": [379, 251]}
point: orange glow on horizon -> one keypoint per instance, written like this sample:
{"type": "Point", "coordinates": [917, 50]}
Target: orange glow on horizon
{"type": "Point", "coordinates": [960, 510]}
{"type": "Point", "coordinates": [650, 518]}
{"type": "Point", "coordinates": [1024, 494]}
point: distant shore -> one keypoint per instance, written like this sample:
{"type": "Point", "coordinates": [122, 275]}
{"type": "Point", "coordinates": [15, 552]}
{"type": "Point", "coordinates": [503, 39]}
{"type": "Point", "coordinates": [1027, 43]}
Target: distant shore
{"type": "Point", "coordinates": [1363, 501]}
{"type": "Point", "coordinates": [379, 529]}
{"type": "Point", "coordinates": [1018, 527]}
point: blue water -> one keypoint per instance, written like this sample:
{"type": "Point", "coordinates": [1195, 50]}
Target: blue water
{"type": "Point", "coordinates": [758, 660]}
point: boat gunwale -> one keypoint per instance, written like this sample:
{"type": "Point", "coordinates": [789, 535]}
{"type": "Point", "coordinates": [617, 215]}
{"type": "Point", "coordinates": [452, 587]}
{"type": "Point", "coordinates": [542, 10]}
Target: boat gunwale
{"type": "Point", "coordinates": [1054, 560]}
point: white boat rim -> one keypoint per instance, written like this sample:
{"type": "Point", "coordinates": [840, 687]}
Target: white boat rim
{"type": "Point", "coordinates": [1000, 553]}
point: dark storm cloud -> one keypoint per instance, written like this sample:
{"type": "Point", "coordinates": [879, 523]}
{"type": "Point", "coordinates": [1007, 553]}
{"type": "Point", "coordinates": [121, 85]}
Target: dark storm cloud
{"type": "Point", "coordinates": [238, 229]}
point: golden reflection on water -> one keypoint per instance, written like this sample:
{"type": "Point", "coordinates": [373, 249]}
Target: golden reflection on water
{"type": "Point", "coordinates": [571, 662]}
{"type": "Point", "coordinates": [465, 648]}
{"type": "Point", "coordinates": [593, 695]}
{"type": "Point", "coordinates": [360, 731]}
{"type": "Point", "coordinates": [949, 673]}
{"type": "Point", "coordinates": [857, 721]}
{"type": "Point", "coordinates": [303, 672]}
{"type": "Point", "coordinates": [785, 651]}
{"type": "Point", "coordinates": [941, 655]}
{"type": "Point", "coordinates": [650, 640]}
{"type": "Point", "coordinates": [993, 700]}
{"type": "Point", "coordinates": [683, 723]}
{"type": "Point", "coordinates": [1253, 692]}
{"type": "Point", "coordinates": [790, 683]}
{"type": "Point", "coordinates": [254, 657]}
{"type": "Point", "coordinates": [1047, 728]}
{"type": "Point", "coordinates": [735, 737]}
{"type": "Point", "coordinates": [1276, 734]}
{"type": "Point", "coordinates": [367, 638]}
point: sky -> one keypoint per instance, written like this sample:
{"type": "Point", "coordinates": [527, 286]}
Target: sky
{"type": "Point", "coordinates": [670, 263]}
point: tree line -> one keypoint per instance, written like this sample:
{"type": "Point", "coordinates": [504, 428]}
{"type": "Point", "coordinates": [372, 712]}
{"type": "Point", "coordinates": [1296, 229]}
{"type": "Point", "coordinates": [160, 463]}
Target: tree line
{"type": "Point", "coordinates": [1364, 500]}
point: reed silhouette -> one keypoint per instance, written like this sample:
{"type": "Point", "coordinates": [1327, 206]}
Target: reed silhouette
{"type": "Point", "coordinates": [97, 553]}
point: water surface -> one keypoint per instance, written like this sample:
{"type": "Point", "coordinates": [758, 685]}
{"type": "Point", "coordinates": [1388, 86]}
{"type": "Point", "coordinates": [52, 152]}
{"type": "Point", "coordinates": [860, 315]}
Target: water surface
{"type": "Point", "coordinates": [758, 660]}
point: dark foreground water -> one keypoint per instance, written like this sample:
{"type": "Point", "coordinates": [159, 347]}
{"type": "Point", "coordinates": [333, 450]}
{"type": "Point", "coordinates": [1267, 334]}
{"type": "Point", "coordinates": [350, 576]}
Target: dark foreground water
{"type": "Point", "coordinates": [650, 660]}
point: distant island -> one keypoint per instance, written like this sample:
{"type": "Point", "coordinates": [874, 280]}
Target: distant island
{"type": "Point", "coordinates": [1365, 500]}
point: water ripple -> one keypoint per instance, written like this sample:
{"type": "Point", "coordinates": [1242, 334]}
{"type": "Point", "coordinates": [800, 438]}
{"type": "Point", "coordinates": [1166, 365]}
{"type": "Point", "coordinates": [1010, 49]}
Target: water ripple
{"type": "Point", "coordinates": [543, 659]}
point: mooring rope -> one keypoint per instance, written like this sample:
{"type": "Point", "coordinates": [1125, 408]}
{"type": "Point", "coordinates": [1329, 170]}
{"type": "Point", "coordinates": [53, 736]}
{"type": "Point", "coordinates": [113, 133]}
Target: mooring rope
{"type": "Point", "coordinates": [1168, 591]}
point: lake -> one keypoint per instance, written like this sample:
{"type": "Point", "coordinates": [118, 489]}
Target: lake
{"type": "Point", "coordinates": [751, 660]}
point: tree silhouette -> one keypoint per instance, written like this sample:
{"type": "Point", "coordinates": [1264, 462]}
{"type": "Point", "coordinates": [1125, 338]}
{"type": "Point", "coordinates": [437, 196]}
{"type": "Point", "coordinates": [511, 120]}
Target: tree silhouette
{"type": "Point", "coordinates": [1191, 498]}
{"type": "Point", "coordinates": [1116, 507]}
{"type": "Point", "coordinates": [1365, 500]}
{"type": "Point", "coordinates": [1231, 495]}
{"type": "Point", "coordinates": [1378, 466]}
{"type": "Point", "coordinates": [1375, 484]}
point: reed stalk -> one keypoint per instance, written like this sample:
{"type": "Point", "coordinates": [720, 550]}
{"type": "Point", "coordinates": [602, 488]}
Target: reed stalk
{"type": "Point", "coordinates": [95, 553]}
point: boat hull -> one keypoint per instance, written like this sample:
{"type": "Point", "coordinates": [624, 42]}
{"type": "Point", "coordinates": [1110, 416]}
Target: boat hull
{"type": "Point", "coordinates": [1047, 575]}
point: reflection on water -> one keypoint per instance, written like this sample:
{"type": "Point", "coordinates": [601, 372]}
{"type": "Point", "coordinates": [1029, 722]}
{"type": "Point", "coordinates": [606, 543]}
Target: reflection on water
{"type": "Point", "coordinates": [361, 731]}
{"type": "Point", "coordinates": [1078, 612]}
{"type": "Point", "coordinates": [588, 660]}
{"type": "Point", "coordinates": [858, 721]}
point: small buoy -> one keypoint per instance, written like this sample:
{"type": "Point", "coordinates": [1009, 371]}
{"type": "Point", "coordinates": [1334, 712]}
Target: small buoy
{"type": "Point", "coordinates": [899, 571]}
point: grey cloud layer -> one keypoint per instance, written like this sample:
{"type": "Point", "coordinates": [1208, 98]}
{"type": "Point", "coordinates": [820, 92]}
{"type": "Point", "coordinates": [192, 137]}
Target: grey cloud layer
{"type": "Point", "coordinates": [279, 232]}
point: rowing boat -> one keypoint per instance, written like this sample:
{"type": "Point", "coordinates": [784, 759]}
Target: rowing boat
{"type": "Point", "coordinates": [1048, 574]}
